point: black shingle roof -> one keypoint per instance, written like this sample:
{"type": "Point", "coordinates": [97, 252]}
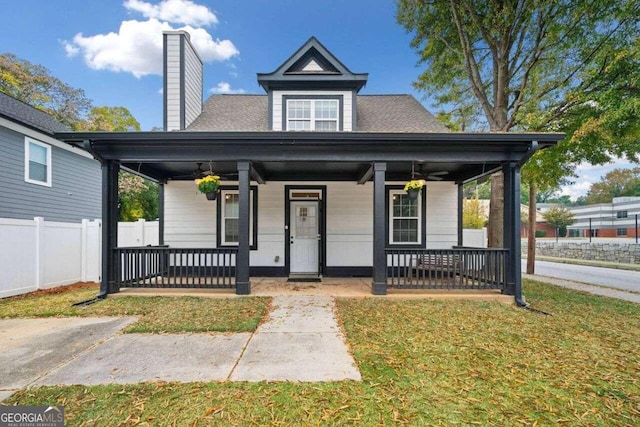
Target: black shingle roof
{"type": "Point", "coordinates": [376, 113]}
{"type": "Point", "coordinates": [20, 112]}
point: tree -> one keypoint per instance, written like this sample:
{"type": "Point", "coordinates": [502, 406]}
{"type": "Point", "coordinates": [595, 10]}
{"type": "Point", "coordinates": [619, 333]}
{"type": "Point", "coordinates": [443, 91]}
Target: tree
{"type": "Point", "coordinates": [34, 85]}
{"type": "Point", "coordinates": [617, 183]}
{"type": "Point", "coordinates": [473, 214]}
{"type": "Point", "coordinates": [110, 119]}
{"type": "Point", "coordinates": [137, 198]}
{"type": "Point", "coordinates": [524, 63]}
{"type": "Point", "coordinates": [559, 218]}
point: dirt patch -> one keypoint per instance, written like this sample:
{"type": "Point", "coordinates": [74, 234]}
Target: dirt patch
{"type": "Point", "coordinates": [78, 286]}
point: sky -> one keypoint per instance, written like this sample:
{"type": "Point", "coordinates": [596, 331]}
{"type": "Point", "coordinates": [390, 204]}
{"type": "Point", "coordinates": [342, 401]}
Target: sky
{"type": "Point", "coordinates": [112, 49]}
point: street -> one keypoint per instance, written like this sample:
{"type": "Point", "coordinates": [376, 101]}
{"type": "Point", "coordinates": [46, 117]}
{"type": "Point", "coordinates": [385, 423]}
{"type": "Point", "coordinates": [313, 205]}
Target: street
{"type": "Point", "coordinates": [619, 279]}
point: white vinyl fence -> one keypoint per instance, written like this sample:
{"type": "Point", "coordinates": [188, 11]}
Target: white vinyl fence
{"type": "Point", "coordinates": [38, 254]}
{"type": "Point", "coordinates": [475, 238]}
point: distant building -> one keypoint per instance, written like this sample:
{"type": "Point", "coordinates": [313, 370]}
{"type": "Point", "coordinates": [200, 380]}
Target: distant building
{"type": "Point", "coordinates": [616, 219]}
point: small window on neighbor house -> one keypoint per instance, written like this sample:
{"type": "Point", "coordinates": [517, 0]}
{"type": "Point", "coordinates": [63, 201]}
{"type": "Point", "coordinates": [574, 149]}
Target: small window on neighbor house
{"type": "Point", "coordinates": [228, 217]}
{"type": "Point", "coordinates": [621, 231]}
{"type": "Point", "coordinates": [312, 114]}
{"type": "Point", "coordinates": [37, 162]}
{"type": "Point", "coordinates": [404, 218]}
{"type": "Point", "coordinates": [622, 214]}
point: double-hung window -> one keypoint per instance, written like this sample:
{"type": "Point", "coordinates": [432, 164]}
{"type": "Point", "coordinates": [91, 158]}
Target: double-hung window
{"type": "Point", "coordinates": [312, 114]}
{"type": "Point", "coordinates": [405, 219]}
{"type": "Point", "coordinates": [228, 217]}
{"type": "Point", "coordinates": [37, 162]}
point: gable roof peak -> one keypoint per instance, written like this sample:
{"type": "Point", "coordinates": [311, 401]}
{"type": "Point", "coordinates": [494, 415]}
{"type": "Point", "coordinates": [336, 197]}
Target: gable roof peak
{"type": "Point", "coordinates": [312, 66]}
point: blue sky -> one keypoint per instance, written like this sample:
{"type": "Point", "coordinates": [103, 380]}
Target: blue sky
{"type": "Point", "coordinates": [112, 48]}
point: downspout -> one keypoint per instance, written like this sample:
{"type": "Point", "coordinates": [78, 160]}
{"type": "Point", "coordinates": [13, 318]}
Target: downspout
{"type": "Point", "coordinates": [520, 302]}
{"type": "Point", "coordinates": [87, 145]}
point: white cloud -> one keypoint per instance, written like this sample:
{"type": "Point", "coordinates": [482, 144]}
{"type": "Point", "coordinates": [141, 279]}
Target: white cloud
{"type": "Point", "coordinates": [589, 174]}
{"type": "Point", "coordinates": [161, 91]}
{"type": "Point", "coordinates": [137, 47]}
{"type": "Point", "coordinates": [177, 11]}
{"type": "Point", "coordinates": [224, 87]}
{"type": "Point", "coordinates": [576, 189]}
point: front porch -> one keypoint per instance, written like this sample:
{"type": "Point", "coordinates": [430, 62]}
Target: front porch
{"type": "Point", "coordinates": [337, 287]}
{"type": "Point", "coordinates": [349, 183]}
{"type": "Point", "coordinates": [215, 268]}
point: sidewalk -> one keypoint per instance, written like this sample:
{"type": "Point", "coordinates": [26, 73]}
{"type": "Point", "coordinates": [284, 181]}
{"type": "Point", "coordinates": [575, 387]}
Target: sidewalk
{"type": "Point", "coordinates": [301, 341]}
{"type": "Point", "coordinates": [592, 289]}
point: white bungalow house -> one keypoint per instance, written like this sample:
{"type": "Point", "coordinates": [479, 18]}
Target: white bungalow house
{"type": "Point", "coordinates": [312, 184]}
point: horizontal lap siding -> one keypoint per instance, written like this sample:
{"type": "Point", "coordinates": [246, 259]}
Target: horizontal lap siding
{"type": "Point", "coordinates": [76, 188]}
{"type": "Point", "coordinates": [173, 82]}
{"type": "Point", "coordinates": [442, 217]}
{"type": "Point", "coordinates": [190, 220]}
{"type": "Point", "coordinates": [193, 84]}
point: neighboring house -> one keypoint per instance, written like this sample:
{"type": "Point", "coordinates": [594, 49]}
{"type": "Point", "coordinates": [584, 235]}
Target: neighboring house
{"type": "Point", "coordinates": [312, 184]}
{"type": "Point", "coordinates": [50, 192]}
{"type": "Point", "coordinates": [42, 176]}
{"type": "Point", "coordinates": [616, 219]}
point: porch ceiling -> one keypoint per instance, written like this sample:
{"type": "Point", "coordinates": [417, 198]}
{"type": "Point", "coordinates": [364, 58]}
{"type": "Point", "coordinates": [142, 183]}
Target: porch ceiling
{"type": "Point", "coordinates": [307, 156]}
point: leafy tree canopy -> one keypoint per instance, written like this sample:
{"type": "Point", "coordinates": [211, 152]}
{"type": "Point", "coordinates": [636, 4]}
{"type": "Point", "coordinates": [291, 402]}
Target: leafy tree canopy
{"type": "Point", "coordinates": [111, 119]}
{"type": "Point", "coordinates": [34, 85]}
{"type": "Point", "coordinates": [617, 183]}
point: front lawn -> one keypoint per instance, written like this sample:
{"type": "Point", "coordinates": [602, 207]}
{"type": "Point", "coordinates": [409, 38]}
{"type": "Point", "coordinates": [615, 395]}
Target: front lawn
{"type": "Point", "coordinates": [158, 314]}
{"type": "Point", "coordinates": [423, 363]}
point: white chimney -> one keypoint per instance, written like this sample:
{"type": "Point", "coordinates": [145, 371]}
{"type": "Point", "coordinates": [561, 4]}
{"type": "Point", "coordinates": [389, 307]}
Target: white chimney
{"type": "Point", "coordinates": [182, 81]}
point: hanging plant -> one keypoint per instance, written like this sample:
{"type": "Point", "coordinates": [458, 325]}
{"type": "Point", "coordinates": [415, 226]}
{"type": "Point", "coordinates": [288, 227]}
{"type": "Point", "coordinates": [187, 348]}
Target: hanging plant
{"type": "Point", "coordinates": [413, 188]}
{"type": "Point", "coordinates": [209, 186]}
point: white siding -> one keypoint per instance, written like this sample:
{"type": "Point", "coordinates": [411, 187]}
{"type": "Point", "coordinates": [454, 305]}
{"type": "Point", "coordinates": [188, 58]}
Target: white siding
{"type": "Point", "coordinates": [172, 90]}
{"type": "Point", "coordinates": [175, 58]}
{"type": "Point", "coordinates": [347, 121]}
{"type": "Point", "coordinates": [192, 83]}
{"type": "Point", "coordinates": [190, 220]}
{"type": "Point", "coordinates": [442, 215]}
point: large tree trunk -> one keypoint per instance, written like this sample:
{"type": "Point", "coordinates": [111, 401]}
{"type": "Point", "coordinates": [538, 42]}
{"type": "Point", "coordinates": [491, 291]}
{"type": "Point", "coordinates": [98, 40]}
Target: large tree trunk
{"type": "Point", "coordinates": [496, 212]}
{"type": "Point", "coordinates": [531, 238]}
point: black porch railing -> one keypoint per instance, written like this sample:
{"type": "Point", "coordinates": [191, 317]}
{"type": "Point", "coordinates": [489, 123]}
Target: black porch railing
{"type": "Point", "coordinates": [460, 268]}
{"type": "Point", "coordinates": [164, 267]}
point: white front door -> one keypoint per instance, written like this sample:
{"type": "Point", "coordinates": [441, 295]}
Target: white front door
{"type": "Point", "coordinates": [304, 237]}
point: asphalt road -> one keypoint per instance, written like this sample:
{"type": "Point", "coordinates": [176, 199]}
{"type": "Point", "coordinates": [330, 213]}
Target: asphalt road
{"type": "Point", "coordinates": [619, 279]}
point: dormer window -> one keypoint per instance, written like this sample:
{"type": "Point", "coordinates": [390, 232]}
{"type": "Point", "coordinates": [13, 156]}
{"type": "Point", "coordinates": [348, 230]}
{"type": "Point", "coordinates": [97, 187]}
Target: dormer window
{"type": "Point", "coordinates": [321, 115]}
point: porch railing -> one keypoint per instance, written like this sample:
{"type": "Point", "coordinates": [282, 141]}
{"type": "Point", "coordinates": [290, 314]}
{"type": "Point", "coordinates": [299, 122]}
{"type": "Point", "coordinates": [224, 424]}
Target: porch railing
{"type": "Point", "coordinates": [165, 267]}
{"type": "Point", "coordinates": [460, 268]}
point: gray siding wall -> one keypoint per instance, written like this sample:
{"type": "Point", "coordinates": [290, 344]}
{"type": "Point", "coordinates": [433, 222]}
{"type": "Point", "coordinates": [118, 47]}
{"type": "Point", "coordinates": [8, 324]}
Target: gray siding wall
{"type": "Point", "coordinates": [75, 192]}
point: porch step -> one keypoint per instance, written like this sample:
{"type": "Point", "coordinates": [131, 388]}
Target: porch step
{"type": "Point", "coordinates": [304, 278]}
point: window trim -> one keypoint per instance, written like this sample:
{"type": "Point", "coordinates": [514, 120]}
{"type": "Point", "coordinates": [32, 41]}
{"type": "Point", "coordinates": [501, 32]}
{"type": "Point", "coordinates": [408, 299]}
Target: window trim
{"type": "Point", "coordinates": [624, 214]}
{"type": "Point", "coordinates": [287, 98]}
{"type": "Point", "coordinates": [253, 216]}
{"type": "Point", "coordinates": [422, 220]}
{"type": "Point", "coordinates": [621, 232]}
{"type": "Point", "coordinates": [27, 151]}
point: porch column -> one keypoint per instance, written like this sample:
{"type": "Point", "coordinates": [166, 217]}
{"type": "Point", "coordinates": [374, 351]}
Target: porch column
{"type": "Point", "coordinates": [160, 213]}
{"type": "Point", "coordinates": [379, 285]}
{"type": "Point", "coordinates": [512, 242]}
{"type": "Point", "coordinates": [110, 171]}
{"type": "Point", "coordinates": [243, 286]}
{"type": "Point", "coordinates": [460, 213]}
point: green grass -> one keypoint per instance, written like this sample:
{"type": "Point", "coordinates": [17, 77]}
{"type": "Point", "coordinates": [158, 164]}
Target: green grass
{"type": "Point", "coordinates": [157, 314]}
{"type": "Point", "coordinates": [423, 363]}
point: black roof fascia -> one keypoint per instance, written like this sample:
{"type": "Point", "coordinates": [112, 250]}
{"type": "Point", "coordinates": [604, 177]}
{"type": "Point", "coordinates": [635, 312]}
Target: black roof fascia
{"type": "Point", "coordinates": [311, 146]}
{"type": "Point", "coordinates": [544, 139]}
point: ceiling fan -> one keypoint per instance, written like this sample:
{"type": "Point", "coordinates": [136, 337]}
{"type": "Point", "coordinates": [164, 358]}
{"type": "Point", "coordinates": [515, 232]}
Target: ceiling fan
{"type": "Point", "coordinates": [426, 175]}
{"type": "Point", "coordinates": [199, 173]}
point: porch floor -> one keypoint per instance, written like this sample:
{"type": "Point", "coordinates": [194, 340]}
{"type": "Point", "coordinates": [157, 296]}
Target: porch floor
{"type": "Point", "coordinates": [332, 286]}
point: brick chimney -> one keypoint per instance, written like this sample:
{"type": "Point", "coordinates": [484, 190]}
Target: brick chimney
{"type": "Point", "coordinates": [182, 81]}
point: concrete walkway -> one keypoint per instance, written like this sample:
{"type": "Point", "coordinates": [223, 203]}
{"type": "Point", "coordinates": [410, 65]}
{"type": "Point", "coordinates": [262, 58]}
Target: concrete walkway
{"type": "Point", "coordinates": [301, 341]}
{"type": "Point", "coordinates": [592, 289]}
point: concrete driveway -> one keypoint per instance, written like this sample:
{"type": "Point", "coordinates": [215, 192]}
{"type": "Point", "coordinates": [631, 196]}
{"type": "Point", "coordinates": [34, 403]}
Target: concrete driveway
{"type": "Point", "coordinates": [31, 348]}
